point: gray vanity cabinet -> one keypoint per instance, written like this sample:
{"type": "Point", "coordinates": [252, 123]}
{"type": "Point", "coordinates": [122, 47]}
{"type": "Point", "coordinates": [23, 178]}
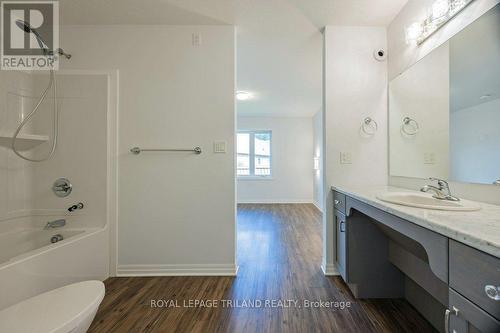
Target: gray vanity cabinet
{"type": "Point", "coordinates": [339, 201]}
{"type": "Point", "coordinates": [341, 253]}
{"type": "Point", "coordinates": [476, 275]}
{"type": "Point", "coordinates": [464, 316]}
{"type": "Point", "coordinates": [474, 294]}
{"type": "Point", "coordinates": [341, 232]}
{"type": "Point", "coordinates": [378, 251]}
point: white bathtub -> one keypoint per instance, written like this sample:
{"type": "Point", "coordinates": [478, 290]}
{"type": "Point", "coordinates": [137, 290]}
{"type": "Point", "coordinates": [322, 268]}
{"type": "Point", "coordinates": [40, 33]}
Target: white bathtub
{"type": "Point", "coordinates": [17, 244]}
{"type": "Point", "coordinates": [30, 264]}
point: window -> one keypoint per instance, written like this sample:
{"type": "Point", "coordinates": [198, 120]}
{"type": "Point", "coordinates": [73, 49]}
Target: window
{"type": "Point", "coordinates": [254, 154]}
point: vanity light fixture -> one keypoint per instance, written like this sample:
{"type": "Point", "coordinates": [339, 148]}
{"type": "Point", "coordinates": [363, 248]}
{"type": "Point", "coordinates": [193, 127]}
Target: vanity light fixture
{"type": "Point", "coordinates": [243, 95]}
{"type": "Point", "coordinates": [439, 9]}
{"type": "Point", "coordinates": [440, 13]}
{"type": "Point", "coordinates": [413, 32]}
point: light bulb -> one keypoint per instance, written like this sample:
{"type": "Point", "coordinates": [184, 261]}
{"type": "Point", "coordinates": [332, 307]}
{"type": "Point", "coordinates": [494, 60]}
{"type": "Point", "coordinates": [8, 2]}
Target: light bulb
{"type": "Point", "coordinates": [413, 32]}
{"type": "Point", "coordinates": [440, 8]}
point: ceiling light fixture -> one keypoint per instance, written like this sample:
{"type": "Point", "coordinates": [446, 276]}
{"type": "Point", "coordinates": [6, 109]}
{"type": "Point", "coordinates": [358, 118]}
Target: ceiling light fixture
{"type": "Point", "coordinates": [243, 95]}
{"type": "Point", "coordinates": [441, 12]}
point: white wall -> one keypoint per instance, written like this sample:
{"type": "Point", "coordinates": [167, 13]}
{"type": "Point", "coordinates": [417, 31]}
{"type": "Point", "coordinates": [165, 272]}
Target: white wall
{"type": "Point", "coordinates": [412, 94]}
{"type": "Point", "coordinates": [403, 55]}
{"type": "Point", "coordinates": [292, 161]}
{"type": "Point", "coordinates": [176, 212]}
{"type": "Point", "coordinates": [475, 138]}
{"type": "Point", "coordinates": [318, 153]}
{"type": "Point", "coordinates": [355, 87]}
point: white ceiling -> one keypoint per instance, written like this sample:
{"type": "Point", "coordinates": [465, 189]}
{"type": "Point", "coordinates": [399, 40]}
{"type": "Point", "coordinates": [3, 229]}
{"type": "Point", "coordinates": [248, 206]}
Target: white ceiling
{"type": "Point", "coordinates": [279, 46]}
{"type": "Point", "coordinates": [350, 12]}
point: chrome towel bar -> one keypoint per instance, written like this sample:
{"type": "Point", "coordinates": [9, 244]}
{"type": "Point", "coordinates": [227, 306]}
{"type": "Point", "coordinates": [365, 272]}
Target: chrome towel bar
{"type": "Point", "coordinates": [137, 150]}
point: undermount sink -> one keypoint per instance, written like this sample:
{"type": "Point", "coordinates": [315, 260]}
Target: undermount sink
{"type": "Point", "coordinates": [422, 200]}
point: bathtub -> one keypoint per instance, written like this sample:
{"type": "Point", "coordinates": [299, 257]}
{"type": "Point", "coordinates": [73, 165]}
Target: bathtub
{"type": "Point", "coordinates": [18, 244]}
{"type": "Point", "coordinates": [30, 264]}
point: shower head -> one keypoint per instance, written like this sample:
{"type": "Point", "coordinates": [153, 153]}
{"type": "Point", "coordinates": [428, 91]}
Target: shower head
{"type": "Point", "coordinates": [26, 27]}
{"type": "Point", "coordinates": [23, 26]}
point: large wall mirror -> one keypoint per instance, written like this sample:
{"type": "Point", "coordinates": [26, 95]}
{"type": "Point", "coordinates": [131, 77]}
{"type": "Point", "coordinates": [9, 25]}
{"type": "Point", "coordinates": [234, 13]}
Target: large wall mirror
{"type": "Point", "coordinates": [444, 111]}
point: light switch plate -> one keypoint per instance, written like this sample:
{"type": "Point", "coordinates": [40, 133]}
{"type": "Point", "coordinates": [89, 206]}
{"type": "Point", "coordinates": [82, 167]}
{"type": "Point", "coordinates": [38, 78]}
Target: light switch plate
{"type": "Point", "coordinates": [219, 146]}
{"type": "Point", "coordinates": [345, 158]}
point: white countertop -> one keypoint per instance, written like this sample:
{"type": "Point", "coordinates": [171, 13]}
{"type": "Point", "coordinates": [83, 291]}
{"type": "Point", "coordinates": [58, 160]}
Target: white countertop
{"type": "Point", "coordinates": [479, 229]}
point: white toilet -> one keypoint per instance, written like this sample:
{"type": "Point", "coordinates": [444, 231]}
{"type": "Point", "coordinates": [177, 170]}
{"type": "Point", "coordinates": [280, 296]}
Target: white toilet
{"type": "Point", "coordinates": [69, 309]}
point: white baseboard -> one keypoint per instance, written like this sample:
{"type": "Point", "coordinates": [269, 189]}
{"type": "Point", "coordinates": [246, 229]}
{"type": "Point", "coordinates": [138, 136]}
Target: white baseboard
{"type": "Point", "coordinates": [276, 201]}
{"type": "Point", "coordinates": [330, 269]}
{"type": "Point", "coordinates": [317, 206]}
{"type": "Point", "coordinates": [177, 270]}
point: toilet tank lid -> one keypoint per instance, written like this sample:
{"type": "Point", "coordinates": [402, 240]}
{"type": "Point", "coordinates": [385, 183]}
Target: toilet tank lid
{"type": "Point", "coordinates": [58, 310]}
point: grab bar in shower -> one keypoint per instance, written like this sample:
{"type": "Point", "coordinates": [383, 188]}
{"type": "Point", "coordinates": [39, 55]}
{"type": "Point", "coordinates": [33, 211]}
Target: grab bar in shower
{"type": "Point", "coordinates": [137, 150]}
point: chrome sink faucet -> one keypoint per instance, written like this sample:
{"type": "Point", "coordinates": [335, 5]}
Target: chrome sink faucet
{"type": "Point", "coordinates": [441, 192]}
{"type": "Point", "coordinates": [55, 224]}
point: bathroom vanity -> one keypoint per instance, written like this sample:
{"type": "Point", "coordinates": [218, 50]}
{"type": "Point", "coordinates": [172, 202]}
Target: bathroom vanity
{"type": "Point", "coordinates": [446, 263]}
{"type": "Point", "coordinates": [443, 255]}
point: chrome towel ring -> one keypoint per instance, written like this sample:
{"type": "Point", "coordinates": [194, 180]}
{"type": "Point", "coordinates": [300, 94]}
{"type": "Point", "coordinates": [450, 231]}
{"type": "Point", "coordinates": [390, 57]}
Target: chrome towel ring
{"type": "Point", "coordinates": [410, 123]}
{"type": "Point", "coordinates": [369, 126]}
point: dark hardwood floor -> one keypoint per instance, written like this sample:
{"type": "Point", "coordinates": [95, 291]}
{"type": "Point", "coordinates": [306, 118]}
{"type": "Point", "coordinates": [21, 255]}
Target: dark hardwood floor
{"type": "Point", "coordinates": [279, 253]}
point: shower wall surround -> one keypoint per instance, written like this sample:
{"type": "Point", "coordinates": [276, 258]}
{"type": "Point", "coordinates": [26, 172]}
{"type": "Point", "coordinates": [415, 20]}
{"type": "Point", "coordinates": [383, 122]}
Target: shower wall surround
{"type": "Point", "coordinates": [26, 197]}
{"type": "Point", "coordinates": [16, 197]}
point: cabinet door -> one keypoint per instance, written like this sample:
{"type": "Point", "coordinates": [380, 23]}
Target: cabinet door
{"type": "Point", "coordinates": [482, 287]}
{"type": "Point", "coordinates": [341, 231]}
{"type": "Point", "coordinates": [476, 317]}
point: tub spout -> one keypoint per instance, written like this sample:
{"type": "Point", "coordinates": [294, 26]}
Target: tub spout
{"type": "Point", "coordinates": [55, 224]}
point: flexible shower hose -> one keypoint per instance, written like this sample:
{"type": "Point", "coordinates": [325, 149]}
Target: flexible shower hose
{"type": "Point", "coordinates": [55, 129]}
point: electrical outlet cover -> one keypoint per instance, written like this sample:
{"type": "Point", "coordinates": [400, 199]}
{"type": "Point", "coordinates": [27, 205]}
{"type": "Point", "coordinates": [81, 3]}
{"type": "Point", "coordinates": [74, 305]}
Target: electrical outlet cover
{"type": "Point", "coordinates": [196, 39]}
{"type": "Point", "coordinates": [345, 158]}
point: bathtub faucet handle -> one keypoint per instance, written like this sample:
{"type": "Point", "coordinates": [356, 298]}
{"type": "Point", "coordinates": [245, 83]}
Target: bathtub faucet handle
{"type": "Point", "coordinates": [75, 207]}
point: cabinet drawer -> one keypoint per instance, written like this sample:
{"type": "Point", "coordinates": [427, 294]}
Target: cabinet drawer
{"type": "Point", "coordinates": [473, 314]}
{"type": "Point", "coordinates": [339, 201]}
{"type": "Point", "coordinates": [473, 273]}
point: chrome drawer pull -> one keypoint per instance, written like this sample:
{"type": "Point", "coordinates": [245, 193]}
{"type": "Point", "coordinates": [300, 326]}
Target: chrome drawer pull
{"type": "Point", "coordinates": [342, 224]}
{"type": "Point", "coordinates": [447, 318]}
{"type": "Point", "coordinates": [447, 321]}
{"type": "Point", "coordinates": [492, 292]}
